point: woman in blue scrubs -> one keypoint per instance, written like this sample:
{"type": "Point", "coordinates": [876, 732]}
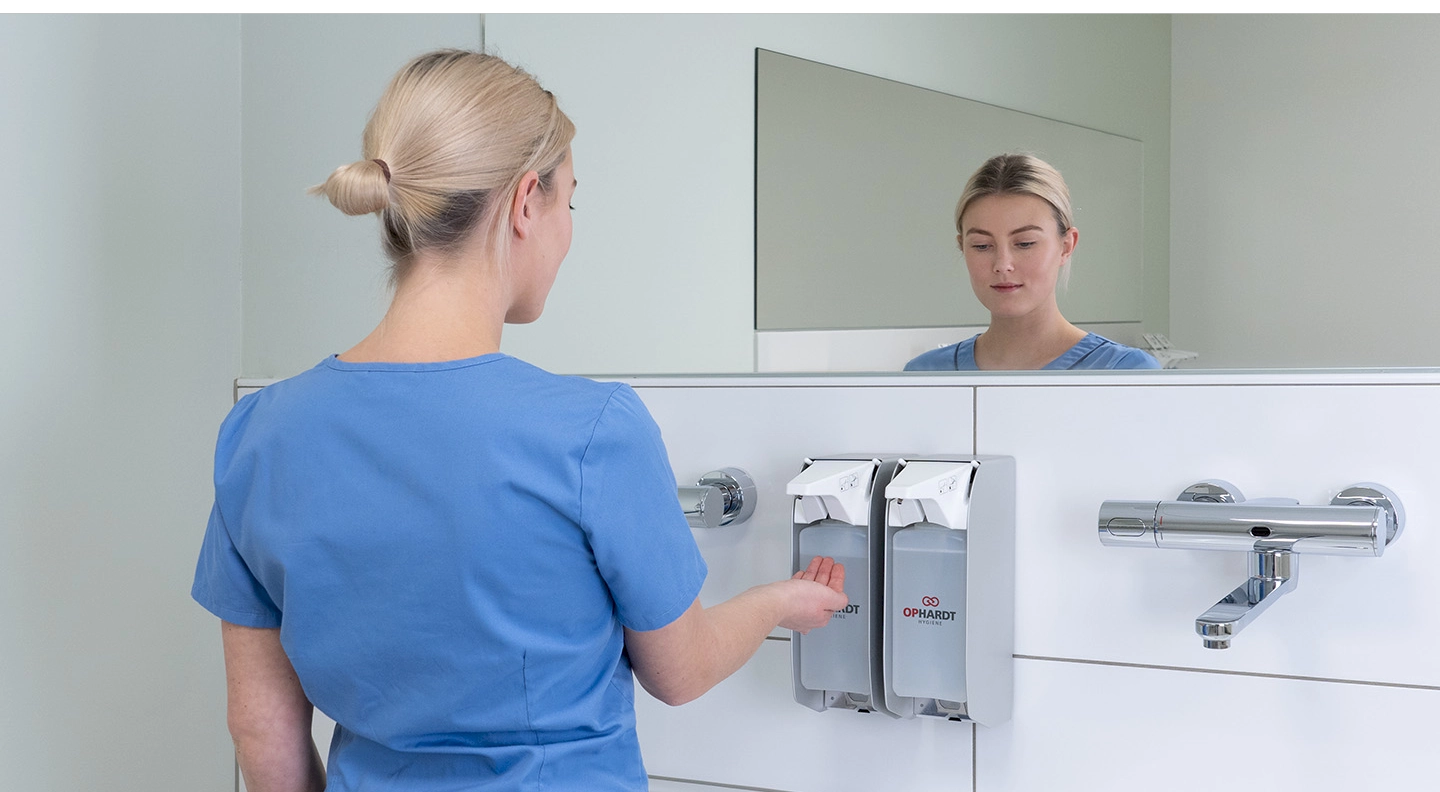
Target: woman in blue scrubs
{"type": "Point", "coordinates": [457, 556]}
{"type": "Point", "coordinates": [1014, 228]}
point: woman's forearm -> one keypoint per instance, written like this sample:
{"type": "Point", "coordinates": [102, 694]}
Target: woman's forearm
{"type": "Point", "coordinates": [714, 643]}
{"type": "Point", "coordinates": [280, 763]}
{"type": "Point", "coordinates": [268, 714]}
{"type": "Point", "coordinates": [697, 651]}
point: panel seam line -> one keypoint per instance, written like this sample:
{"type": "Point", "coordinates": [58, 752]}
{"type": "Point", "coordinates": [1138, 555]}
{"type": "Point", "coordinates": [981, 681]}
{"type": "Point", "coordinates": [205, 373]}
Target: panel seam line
{"type": "Point", "coordinates": [1228, 672]}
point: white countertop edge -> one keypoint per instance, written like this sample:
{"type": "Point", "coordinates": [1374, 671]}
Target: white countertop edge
{"type": "Point", "coordinates": [1010, 379]}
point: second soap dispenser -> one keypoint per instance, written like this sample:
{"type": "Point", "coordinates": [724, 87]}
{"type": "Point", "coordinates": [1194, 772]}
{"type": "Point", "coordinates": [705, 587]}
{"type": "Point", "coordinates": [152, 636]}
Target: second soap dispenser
{"type": "Point", "coordinates": [949, 571]}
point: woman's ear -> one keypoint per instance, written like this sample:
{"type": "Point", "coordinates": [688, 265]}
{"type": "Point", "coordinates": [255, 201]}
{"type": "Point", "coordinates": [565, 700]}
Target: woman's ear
{"type": "Point", "coordinates": [1068, 241]}
{"type": "Point", "coordinates": [525, 204]}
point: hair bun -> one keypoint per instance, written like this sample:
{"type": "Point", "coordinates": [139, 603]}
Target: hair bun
{"type": "Point", "coordinates": [358, 188]}
{"type": "Point", "coordinates": [456, 130]}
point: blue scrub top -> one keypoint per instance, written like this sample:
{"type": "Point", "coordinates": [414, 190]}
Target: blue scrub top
{"type": "Point", "coordinates": [450, 551]}
{"type": "Point", "coordinates": [1091, 352]}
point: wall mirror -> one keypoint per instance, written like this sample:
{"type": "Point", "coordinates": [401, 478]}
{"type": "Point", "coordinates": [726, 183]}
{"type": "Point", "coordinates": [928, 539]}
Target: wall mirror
{"type": "Point", "coordinates": [1287, 187]}
{"type": "Point", "coordinates": [1275, 153]}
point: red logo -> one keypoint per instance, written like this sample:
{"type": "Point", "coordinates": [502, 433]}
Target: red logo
{"type": "Point", "coordinates": [930, 602]}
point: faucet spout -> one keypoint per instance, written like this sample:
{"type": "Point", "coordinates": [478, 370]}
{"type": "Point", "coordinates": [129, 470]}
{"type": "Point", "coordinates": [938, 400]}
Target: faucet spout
{"type": "Point", "coordinates": [1273, 574]}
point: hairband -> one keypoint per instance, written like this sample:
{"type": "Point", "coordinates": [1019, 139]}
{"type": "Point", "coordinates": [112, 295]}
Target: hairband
{"type": "Point", "coordinates": [384, 168]}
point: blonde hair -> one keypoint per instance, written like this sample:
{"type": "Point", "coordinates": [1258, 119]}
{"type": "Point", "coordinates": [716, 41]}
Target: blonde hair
{"type": "Point", "coordinates": [1017, 174]}
{"type": "Point", "coordinates": [445, 147]}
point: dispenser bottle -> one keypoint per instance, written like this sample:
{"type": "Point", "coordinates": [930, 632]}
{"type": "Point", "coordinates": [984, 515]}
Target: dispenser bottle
{"type": "Point", "coordinates": [927, 611]}
{"type": "Point", "coordinates": [836, 655]}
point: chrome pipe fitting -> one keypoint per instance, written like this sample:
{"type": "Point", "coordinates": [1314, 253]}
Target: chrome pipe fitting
{"type": "Point", "coordinates": [721, 497]}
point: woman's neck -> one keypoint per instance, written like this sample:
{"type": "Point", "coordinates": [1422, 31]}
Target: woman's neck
{"type": "Point", "coordinates": [1025, 343]}
{"type": "Point", "coordinates": [442, 310]}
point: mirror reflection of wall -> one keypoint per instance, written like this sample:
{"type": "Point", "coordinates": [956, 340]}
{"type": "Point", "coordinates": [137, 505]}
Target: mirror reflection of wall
{"type": "Point", "coordinates": [1304, 173]}
{"type": "Point", "coordinates": [856, 181]}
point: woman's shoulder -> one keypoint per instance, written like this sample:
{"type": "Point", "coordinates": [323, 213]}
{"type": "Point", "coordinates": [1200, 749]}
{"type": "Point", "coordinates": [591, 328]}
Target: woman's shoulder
{"type": "Point", "coordinates": [494, 384]}
{"type": "Point", "coordinates": [589, 394]}
{"type": "Point", "coordinates": [1096, 352]}
{"type": "Point", "coordinates": [564, 398]}
{"type": "Point", "coordinates": [492, 370]}
{"type": "Point", "coordinates": [952, 357]}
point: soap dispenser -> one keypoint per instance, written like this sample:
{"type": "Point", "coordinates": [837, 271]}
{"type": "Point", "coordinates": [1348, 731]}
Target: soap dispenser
{"type": "Point", "coordinates": [839, 512]}
{"type": "Point", "coordinates": [948, 560]}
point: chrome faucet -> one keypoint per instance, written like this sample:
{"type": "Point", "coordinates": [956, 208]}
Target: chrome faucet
{"type": "Point", "coordinates": [1273, 574]}
{"type": "Point", "coordinates": [1362, 520]}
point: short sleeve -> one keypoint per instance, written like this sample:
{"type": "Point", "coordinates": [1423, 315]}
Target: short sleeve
{"type": "Point", "coordinates": [942, 359]}
{"type": "Point", "coordinates": [224, 584]}
{"type": "Point", "coordinates": [1137, 359]}
{"type": "Point", "coordinates": [631, 514]}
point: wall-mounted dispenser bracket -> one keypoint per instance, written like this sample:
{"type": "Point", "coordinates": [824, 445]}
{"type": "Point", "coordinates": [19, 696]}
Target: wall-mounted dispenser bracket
{"type": "Point", "coordinates": [1362, 520]}
{"type": "Point", "coordinates": [949, 571]}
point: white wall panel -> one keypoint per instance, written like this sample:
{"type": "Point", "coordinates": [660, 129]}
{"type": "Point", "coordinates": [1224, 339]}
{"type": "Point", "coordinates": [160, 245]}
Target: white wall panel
{"type": "Point", "coordinates": [1118, 725]}
{"type": "Point", "coordinates": [1089, 727]}
{"type": "Point", "coordinates": [749, 730]}
{"type": "Point", "coordinates": [1350, 618]}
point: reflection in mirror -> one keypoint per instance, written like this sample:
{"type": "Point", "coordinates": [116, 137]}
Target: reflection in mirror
{"type": "Point", "coordinates": [856, 183]}
{"type": "Point", "coordinates": [1290, 191]}
{"type": "Point", "coordinates": [1016, 232]}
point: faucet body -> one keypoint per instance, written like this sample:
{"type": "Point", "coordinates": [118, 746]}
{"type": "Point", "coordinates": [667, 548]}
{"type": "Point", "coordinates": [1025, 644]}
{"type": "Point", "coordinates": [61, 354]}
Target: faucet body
{"type": "Point", "coordinates": [1273, 574]}
{"type": "Point", "coordinates": [1362, 520]}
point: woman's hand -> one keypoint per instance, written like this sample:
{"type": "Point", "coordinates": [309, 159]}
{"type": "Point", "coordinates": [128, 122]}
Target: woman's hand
{"type": "Point", "coordinates": [813, 595]}
{"type": "Point", "coordinates": [825, 571]}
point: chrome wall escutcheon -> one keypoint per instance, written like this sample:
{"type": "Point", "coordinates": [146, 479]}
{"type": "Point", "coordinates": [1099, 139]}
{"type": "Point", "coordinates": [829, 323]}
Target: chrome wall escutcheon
{"type": "Point", "coordinates": [721, 497]}
{"type": "Point", "coordinates": [1212, 491]}
{"type": "Point", "coordinates": [1368, 493]}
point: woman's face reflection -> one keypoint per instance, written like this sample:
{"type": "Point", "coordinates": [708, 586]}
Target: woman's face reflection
{"type": "Point", "coordinates": [1014, 250]}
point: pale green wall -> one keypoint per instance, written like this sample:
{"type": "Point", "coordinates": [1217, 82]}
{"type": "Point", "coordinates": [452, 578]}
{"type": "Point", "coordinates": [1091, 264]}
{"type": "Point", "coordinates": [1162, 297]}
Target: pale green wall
{"type": "Point", "coordinates": [315, 279]}
{"type": "Point", "coordinates": [119, 210]}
